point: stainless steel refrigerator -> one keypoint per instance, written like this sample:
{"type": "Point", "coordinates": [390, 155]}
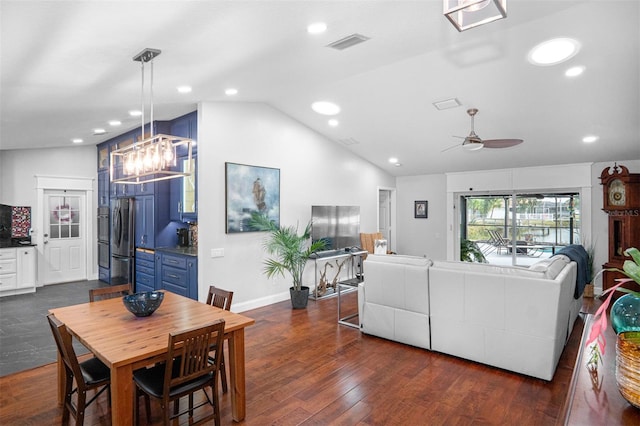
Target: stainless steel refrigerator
{"type": "Point", "coordinates": [122, 239]}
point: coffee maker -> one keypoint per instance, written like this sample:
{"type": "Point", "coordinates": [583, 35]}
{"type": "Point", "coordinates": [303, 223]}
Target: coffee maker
{"type": "Point", "coordinates": [184, 237]}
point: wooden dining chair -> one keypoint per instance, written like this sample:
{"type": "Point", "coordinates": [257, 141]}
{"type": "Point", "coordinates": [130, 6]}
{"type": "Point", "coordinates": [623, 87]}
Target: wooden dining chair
{"type": "Point", "coordinates": [109, 292]}
{"type": "Point", "coordinates": [88, 375]}
{"type": "Point", "coordinates": [186, 370]}
{"type": "Point", "coordinates": [221, 299]}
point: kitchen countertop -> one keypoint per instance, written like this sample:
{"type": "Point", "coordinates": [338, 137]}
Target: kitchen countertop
{"type": "Point", "coordinates": [186, 251]}
{"type": "Point", "coordinates": [11, 243]}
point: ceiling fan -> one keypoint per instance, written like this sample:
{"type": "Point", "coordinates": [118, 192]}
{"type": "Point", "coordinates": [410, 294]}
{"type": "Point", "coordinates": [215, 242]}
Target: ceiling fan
{"type": "Point", "coordinates": [473, 142]}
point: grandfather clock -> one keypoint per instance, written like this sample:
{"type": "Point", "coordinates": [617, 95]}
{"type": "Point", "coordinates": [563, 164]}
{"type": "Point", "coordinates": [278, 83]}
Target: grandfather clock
{"type": "Point", "coordinates": [622, 204]}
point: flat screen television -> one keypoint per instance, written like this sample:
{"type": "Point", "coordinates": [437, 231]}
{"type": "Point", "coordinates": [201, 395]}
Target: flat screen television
{"type": "Point", "coordinates": [339, 226]}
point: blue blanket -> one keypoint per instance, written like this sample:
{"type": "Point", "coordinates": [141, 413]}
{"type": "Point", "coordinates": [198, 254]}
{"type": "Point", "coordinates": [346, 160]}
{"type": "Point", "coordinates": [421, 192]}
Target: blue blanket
{"type": "Point", "coordinates": [578, 254]}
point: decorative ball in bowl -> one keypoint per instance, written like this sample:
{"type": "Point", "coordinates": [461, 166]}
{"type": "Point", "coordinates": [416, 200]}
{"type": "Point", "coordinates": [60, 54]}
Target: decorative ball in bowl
{"type": "Point", "coordinates": [143, 304]}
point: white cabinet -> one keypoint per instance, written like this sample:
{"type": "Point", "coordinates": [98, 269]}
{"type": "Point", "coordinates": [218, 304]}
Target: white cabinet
{"type": "Point", "coordinates": [26, 264]}
{"type": "Point", "coordinates": [17, 270]}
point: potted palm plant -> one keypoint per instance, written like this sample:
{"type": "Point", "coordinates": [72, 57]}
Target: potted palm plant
{"type": "Point", "coordinates": [290, 251]}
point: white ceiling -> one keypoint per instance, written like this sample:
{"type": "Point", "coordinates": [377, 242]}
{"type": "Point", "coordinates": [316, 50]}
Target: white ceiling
{"type": "Point", "coordinates": [67, 68]}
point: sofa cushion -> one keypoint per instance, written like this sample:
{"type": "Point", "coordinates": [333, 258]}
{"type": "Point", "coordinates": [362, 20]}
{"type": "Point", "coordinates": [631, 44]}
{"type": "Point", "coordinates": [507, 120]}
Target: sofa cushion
{"type": "Point", "coordinates": [486, 268]}
{"type": "Point", "coordinates": [550, 267]}
{"type": "Point", "coordinates": [400, 259]}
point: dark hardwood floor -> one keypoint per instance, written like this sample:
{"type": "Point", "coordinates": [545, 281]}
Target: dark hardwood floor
{"type": "Point", "coordinates": [304, 368]}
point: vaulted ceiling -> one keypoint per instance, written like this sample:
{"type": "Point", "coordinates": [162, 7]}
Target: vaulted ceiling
{"type": "Point", "coordinates": [67, 68]}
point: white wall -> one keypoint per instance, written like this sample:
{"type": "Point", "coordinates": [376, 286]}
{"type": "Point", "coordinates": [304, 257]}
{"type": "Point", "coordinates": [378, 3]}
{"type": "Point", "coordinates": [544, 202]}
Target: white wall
{"type": "Point", "coordinates": [422, 237]}
{"type": "Point", "coordinates": [18, 169]}
{"type": "Point", "coordinates": [418, 236]}
{"type": "Point", "coordinates": [313, 171]}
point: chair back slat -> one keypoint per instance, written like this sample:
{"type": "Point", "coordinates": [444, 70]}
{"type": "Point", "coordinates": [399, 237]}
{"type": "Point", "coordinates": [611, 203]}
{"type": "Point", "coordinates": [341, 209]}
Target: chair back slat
{"type": "Point", "coordinates": [109, 292]}
{"type": "Point", "coordinates": [219, 298]}
{"type": "Point", "coordinates": [189, 351]}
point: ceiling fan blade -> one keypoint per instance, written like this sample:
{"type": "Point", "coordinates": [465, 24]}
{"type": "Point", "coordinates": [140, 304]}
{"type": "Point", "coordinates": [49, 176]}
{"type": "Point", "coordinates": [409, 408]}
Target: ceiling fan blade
{"type": "Point", "coordinates": [451, 147]}
{"type": "Point", "coordinates": [501, 143]}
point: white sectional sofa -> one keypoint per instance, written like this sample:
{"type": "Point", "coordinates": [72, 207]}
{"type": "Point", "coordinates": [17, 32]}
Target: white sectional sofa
{"type": "Point", "coordinates": [514, 318]}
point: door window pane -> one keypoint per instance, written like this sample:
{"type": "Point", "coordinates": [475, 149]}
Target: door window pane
{"type": "Point", "coordinates": [64, 217]}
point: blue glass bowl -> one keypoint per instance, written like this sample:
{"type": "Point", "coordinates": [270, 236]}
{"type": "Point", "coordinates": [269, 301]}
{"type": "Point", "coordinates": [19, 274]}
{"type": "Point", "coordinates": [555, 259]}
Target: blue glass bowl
{"type": "Point", "coordinates": [143, 304]}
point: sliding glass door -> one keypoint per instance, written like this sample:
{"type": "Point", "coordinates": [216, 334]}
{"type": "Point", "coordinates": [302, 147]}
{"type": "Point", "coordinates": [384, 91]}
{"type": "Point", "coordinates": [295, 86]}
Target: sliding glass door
{"type": "Point", "coordinates": [520, 228]}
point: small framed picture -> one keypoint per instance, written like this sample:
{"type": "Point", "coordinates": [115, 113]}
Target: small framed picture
{"type": "Point", "coordinates": [420, 209]}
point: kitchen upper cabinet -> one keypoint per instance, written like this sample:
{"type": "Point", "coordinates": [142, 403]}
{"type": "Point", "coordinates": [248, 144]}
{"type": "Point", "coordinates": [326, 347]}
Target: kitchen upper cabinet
{"type": "Point", "coordinates": [145, 221]}
{"type": "Point", "coordinates": [103, 188]}
{"type": "Point", "coordinates": [183, 193]}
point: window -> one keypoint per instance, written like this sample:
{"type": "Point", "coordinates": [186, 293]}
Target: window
{"type": "Point", "coordinates": [535, 224]}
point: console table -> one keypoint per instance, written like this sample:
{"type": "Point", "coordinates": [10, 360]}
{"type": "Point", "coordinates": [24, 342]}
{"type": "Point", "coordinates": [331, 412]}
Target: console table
{"type": "Point", "coordinates": [352, 274]}
{"type": "Point", "coordinates": [596, 403]}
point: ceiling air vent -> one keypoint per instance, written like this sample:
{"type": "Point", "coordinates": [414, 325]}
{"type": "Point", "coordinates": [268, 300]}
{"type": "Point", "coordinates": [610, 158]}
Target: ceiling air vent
{"type": "Point", "coordinates": [348, 41]}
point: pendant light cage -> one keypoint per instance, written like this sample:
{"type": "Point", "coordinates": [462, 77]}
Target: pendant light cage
{"type": "Point", "coordinates": [153, 157]}
{"type": "Point", "coordinates": [467, 14]}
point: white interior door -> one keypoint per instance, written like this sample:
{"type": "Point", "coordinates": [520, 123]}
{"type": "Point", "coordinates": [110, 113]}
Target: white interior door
{"type": "Point", "coordinates": [64, 237]}
{"type": "Point", "coordinates": [384, 214]}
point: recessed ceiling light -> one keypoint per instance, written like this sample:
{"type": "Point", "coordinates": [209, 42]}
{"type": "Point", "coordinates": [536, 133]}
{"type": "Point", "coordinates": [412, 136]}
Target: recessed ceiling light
{"type": "Point", "coordinates": [393, 160]}
{"type": "Point", "coordinates": [574, 71]}
{"type": "Point", "coordinates": [231, 91]}
{"type": "Point", "coordinates": [115, 122]}
{"type": "Point", "coordinates": [333, 122]}
{"type": "Point", "coordinates": [325, 108]}
{"type": "Point", "coordinates": [398, 164]}
{"type": "Point", "coordinates": [135, 113]}
{"type": "Point", "coordinates": [590, 139]}
{"type": "Point", "coordinates": [317, 28]}
{"type": "Point", "coordinates": [99, 131]}
{"type": "Point", "coordinates": [184, 89]}
{"type": "Point", "coordinates": [553, 51]}
{"type": "Point", "coordinates": [77, 140]}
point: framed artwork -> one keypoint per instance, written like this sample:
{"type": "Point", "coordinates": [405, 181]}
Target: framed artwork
{"type": "Point", "coordinates": [250, 189]}
{"type": "Point", "coordinates": [420, 209]}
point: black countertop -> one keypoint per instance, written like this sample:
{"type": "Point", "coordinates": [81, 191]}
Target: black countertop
{"type": "Point", "coordinates": [186, 251]}
{"type": "Point", "coordinates": [12, 243]}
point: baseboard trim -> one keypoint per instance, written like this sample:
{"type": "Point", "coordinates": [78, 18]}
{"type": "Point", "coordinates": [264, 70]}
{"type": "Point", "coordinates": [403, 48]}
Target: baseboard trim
{"type": "Point", "coordinates": [260, 302]}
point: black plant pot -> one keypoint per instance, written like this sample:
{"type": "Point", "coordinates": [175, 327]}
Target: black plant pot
{"type": "Point", "coordinates": [299, 298]}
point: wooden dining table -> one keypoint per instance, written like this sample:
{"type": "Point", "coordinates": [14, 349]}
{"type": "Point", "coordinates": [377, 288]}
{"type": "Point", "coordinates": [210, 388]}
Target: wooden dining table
{"type": "Point", "coordinates": [126, 343]}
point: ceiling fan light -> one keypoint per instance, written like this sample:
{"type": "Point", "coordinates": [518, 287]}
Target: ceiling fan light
{"type": "Point", "coordinates": [472, 146]}
{"type": "Point", "coordinates": [466, 14]}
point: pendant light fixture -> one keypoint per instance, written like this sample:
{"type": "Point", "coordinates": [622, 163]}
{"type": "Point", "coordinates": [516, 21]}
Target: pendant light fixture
{"type": "Point", "coordinates": [152, 158]}
{"type": "Point", "coordinates": [466, 14]}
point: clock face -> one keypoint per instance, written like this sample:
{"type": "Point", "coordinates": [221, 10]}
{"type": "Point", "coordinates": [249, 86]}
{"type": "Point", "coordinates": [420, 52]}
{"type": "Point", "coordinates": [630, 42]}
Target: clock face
{"type": "Point", "coordinates": [617, 195]}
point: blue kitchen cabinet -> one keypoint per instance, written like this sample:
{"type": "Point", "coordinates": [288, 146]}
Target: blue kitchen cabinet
{"type": "Point", "coordinates": [103, 188]}
{"type": "Point", "coordinates": [145, 221]}
{"type": "Point", "coordinates": [178, 274]}
{"type": "Point", "coordinates": [184, 193]}
{"type": "Point", "coordinates": [145, 270]}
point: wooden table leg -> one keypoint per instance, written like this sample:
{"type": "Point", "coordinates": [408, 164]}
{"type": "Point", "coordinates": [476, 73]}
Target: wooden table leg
{"type": "Point", "coordinates": [237, 373]}
{"type": "Point", "coordinates": [122, 395]}
{"type": "Point", "coordinates": [62, 380]}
